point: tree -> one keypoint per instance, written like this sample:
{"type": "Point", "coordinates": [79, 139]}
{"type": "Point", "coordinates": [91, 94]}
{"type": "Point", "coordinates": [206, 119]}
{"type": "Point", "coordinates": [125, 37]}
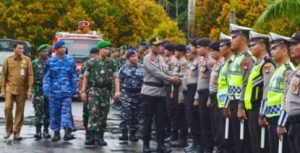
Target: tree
{"type": "Point", "coordinates": [169, 30]}
{"type": "Point", "coordinates": [120, 21]}
{"type": "Point", "coordinates": [289, 9]}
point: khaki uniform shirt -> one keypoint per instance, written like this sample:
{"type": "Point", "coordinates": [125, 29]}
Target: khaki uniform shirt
{"type": "Point", "coordinates": [17, 75]}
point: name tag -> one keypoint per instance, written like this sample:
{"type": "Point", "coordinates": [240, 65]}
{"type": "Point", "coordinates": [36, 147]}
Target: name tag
{"type": "Point", "coordinates": [22, 72]}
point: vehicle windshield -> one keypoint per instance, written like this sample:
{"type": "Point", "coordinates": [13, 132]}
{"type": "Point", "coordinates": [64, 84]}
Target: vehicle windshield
{"type": "Point", "coordinates": [5, 45]}
{"type": "Point", "coordinates": [80, 48]}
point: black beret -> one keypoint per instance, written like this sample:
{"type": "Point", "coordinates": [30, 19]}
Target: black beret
{"type": "Point", "coordinates": [180, 48]}
{"type": "Point", "coordinates": [194, 42]}
{"type": "Point", "coordinates": [94, 50]}
{"type": "Point", "coordinates": [169, 46]}
{"type": "Point", "coordinates": [214, 46]}
{"type": "Point", "coordinates": [163, 42]}
{"type": "Point", "coordinates": [204, 42]}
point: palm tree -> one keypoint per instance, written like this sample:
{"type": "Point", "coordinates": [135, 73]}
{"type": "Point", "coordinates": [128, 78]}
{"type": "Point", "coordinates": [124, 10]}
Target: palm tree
{"type": "Point", "coordinates": [289, 9]}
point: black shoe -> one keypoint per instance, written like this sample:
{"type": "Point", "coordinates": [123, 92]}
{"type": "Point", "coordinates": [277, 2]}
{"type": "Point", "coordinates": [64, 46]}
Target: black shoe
{"type": "Point", "coordinates": [163, 149]}
{"type": "Point", "coordinates": [68, 136]}
{"type": "Point", "coordinates": [100, 140]}
{"type": "Point", "coordinates": [191, 148]}
{"type": "Point", "coordinates": [17, 137]}
{"type": "Point", "coordinates": [124, 136]}
{"type": "Point", "coordinates": [38, 134]}
{"type": "Point", "coordinates": [56, 137]}
{"type": "Point", "coordinates": [46, 134]}
{"type": "Point", "coordinates": [179, 143]}
{"type": "Point", "coordinates": [132, 137]}
{"type": "Point", "coordinates": [146, 148]}
{"type": "Point", "coordinates": [173, 136]}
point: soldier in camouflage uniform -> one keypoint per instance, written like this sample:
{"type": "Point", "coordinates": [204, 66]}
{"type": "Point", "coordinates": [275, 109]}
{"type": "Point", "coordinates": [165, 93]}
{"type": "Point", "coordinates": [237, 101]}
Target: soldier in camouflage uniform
{"type": "Point", "coordinates": [40, 102]}
{"type": "Point", "coordinates": [131, 76]}
{"type": "Point", "coordinates": [85, 115]}
{"type": "Point", "coordinates": [99, 74]}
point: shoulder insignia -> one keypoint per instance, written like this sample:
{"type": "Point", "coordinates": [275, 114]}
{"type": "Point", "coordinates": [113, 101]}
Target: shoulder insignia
{"type": "Point", "coordinates": [267, 67]}
{"type": "Point", "coordinates": [246, 64]}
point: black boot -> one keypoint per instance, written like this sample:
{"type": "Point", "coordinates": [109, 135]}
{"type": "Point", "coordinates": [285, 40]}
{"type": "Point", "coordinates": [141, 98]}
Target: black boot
{"type": "Point", "coordinates": [38, 134]}
{"type": "Point", "coordinates": [87, 135]}
{"type": "Point", "coordinates": [146, 147]}
{"type": "Point", "coordinates": [68, 136]}
{"type": "Point", "coordinates": [91, 139]}
{"type": "Point", "coordinates": [181, 142]}
{"type": "Point", "coordinates": [173, 136]}
{"type": "Point", "coordinates": [161, 148]}
{"type": "Point", "coordinates": [46, 134]}
{"type": "Point", "coordinates": [132, 137]}
{"type": "Point", "coordinates": [100, 140]}
{"type": "Point", "coordinates": [124, 136]}
{"type": "Point", "coordinates": [56, 137]}
{"type": "Point", "coordinates": [191, 149]}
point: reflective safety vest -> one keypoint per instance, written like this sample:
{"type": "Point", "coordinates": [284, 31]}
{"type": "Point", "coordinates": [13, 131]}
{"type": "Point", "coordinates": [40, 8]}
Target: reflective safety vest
{"type": "Point", "coordinates": [275, 95]}
{"type": "Point", "coordinates": [223, 84]}
{"type": "Point", "coordinates": [236, 77]}
{"type": "Point", "coordinates": [255, 84]}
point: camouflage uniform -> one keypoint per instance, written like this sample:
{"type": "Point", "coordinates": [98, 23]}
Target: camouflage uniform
{"type": "Point", "coordinates": [100, 73]}
{"type": "Point", "coordinates": [60, 84]}
{"type": "Point", "coordinates": [120, 61]}
{"type": "Point", "coordinates": [85, 112]}
{"type": "Point", "coordinates": [40, 102]}
{"type": "Point", "coordinates": [131, 77]}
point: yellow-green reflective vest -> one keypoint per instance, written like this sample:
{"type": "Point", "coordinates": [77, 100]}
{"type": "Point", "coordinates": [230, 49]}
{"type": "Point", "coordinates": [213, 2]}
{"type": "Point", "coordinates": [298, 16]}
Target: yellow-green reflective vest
{"type": "Point", "coordinates": [275, 95]}
{"type": "Point", "coordinates": [255, 84]}
{"type": "Point", "coordinates": [223, 85]}
{"type": "Point", "coordinates": [236, 77]}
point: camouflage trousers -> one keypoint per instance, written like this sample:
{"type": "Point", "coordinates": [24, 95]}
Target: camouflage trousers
{"type": "Point", "coordinates": [60, 113]}
{"type": "Point", "coordinates": [41, 110]}
{"type": "Point", "coordinates": [130, 110]}
{"type": "Point", "coordinates": [98, 107]}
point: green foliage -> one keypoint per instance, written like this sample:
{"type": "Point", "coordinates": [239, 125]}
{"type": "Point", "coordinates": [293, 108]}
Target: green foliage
{"type": "Point", "coordinates": [281, 9]}
{"type": "Point", "coordinates": [120, 21]}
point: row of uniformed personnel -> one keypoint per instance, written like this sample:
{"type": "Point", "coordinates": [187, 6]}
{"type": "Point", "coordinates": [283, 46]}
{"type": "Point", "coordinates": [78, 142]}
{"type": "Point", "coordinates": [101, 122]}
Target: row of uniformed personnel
{"type": "Point", "coordinates": [237, 95]}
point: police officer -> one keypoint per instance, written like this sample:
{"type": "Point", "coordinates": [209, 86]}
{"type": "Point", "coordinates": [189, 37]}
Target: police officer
{"type": "Point", "coordinates": [193, 116]}
{"type": "Point", "coordinates": [40, 102]}
{"type": "Point", "coordinates": [257, 85]}
{"type": "Point", "coordinates": [99, 75]}
{"type": "Point", "coordinates": [276, 91]}
{"type": "Point", "coordinates": [171, 132]}
{"type": "Point", "coordinates": [131, 77]}
{"type": "Point", "coordinates": [94, 52]}
{"type": "Point", "coordinates": [59, 85]}
{"type": "Point", "coordinates": [215, 61]}
{"type": "Point", "coordinates": [202, 93]}
{"type": "Point", "coordinates": [155, 74]}
{"type": "Point", "coordinates": [291, 104]}
{"type": "Point", "coordinates": [224, 145]}
{"type": "Point", "coordinates": [178, 118]}
{"type": "Point", "coordinates": [239, 72]}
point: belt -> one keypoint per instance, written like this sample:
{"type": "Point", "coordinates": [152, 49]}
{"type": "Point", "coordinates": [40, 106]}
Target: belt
{"type": "Point", "coordinates": [134, 90]}
{"type": "Point", "coordinates": [98, 85]}
{"type": "Point", "coordinates": [154, 84]}
{"type": "Point", "coordinates": [294, 119]}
